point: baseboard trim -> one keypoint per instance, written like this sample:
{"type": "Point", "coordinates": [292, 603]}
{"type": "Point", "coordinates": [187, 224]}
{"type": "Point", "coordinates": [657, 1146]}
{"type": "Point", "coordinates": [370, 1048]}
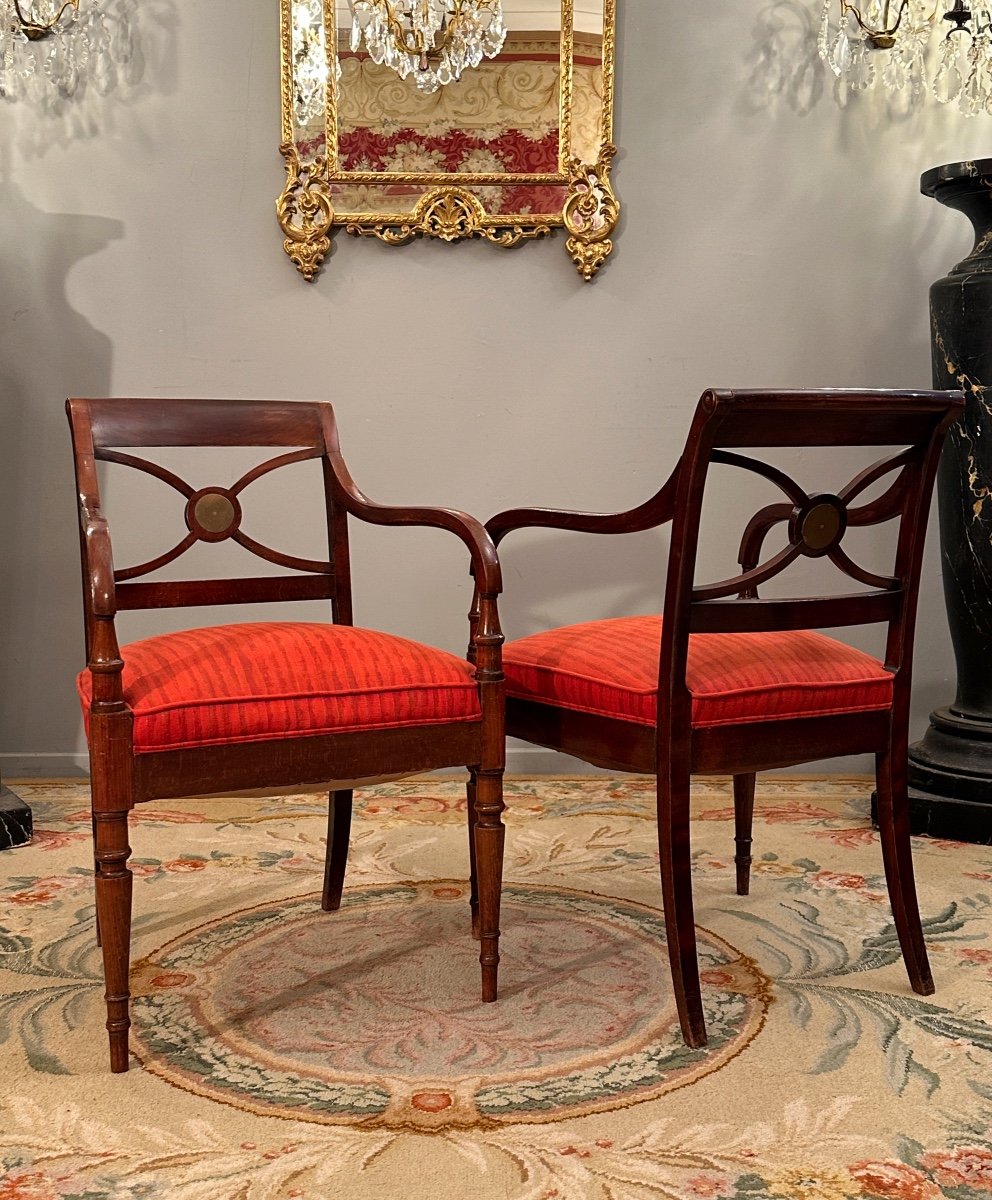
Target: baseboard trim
{"type": "Point", "coordinates": [44, 766]}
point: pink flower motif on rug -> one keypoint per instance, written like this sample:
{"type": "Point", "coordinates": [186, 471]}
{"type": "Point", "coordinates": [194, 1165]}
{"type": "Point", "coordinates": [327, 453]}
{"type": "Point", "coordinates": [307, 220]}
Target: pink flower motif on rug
{"type": "Point", "coordinates": [708, 1186]}
{"type": "Point", "coordinates": [51, 839]}
{"type": "Point", "coordinates": [47, 889]}
{"type": "Point", "coordinates": [184, 865]}
{"type": "Point", "coordinates": [968, 1166]}
{"type": "Point", "coordinates": [846, 882]}
{"type": "Point", "coordinates": [415, 805]}
{"type": "Point", "coordinates": [976, 954]}
{"type": "Point", "coordinates": [774, 814]}
{"type": "Point", "coordinates": [850, 839]}
{"type": "Point", "coordinates": [894, 1181]}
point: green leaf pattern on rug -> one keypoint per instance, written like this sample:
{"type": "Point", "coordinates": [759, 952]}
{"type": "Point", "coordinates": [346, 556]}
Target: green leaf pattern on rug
{"type": "Point", "coordinates": [812, 968]}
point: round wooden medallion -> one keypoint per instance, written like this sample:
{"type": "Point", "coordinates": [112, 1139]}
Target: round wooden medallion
{"type": "Point", "coordinates": [818, 525]}
{"type": "Point", "coordinates": [213, 514]}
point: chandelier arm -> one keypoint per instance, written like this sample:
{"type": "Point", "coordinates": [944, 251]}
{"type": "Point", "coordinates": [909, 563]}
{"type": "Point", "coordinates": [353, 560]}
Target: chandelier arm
{"type": "Point", "coordinates": [400, 33]}
{"type": "Point", "coordinates": [847, 7]}
{"type": "Point", "coordinates": [37, 28]}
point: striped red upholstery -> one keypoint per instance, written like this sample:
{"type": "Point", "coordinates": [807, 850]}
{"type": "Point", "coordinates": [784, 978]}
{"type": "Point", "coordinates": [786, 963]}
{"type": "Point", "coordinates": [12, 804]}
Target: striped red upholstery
{"type": "Point", "coordinates": [611, 668]}
{"type": "Point", "coordinates": [253, 682]}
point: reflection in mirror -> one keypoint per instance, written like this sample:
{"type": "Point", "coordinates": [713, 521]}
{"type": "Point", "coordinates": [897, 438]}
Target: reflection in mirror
{"type": "Point", "coordinates": [450, 119]}
{"type": "Point", "coordinates": [428, 41]}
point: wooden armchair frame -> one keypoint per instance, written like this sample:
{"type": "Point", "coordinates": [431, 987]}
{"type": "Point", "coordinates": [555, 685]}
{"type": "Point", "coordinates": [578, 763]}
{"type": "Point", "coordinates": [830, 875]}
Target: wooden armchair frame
{"type": "Point", "coordinates": [108, 430]}
{"type": "Point", "coordinates": [673, 750]}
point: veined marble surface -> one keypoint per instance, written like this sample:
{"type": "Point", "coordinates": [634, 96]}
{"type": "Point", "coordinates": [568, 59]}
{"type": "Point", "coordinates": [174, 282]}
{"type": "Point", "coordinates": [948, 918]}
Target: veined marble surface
{"type": "Point", "coordinates": [15, 820]}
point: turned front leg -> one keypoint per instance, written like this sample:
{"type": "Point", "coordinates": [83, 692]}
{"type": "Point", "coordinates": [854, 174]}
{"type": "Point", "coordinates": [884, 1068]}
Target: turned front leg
{"type": "Point", "coordinates": [113, 906]}
{"type": "Point", "coordinates": [489, 837]}
{"type": "Point", "coordinates": [470, 795]}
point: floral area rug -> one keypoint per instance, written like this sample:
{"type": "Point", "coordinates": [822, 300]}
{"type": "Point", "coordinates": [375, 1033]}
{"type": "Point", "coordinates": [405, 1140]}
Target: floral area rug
{"type": "Point", "coordinates": [279, 1051]}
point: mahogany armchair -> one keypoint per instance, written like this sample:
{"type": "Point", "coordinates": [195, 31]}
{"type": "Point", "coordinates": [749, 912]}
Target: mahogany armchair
{"type": "Point", "coordinates": [730, 683]}
{"type": "Point", "coordinates": [267, 705]}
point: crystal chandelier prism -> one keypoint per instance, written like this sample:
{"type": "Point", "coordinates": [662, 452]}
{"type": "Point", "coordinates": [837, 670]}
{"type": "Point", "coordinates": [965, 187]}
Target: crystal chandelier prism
{"type": "Point", "coordinates": [431, 40]}
{"type": "Point", "coordinates": [48, 48]}
{"type": "Point", "coordinates": [912, 48]}
{"type": "Point", "coordinates": [309, 60]}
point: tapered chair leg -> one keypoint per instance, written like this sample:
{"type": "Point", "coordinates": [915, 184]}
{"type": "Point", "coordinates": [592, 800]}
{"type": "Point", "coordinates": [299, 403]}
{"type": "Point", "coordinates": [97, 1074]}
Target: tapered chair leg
{"type": "Point", "coordinates": [113, 906]}
{"type": "Point", "coordinates": [489, 836]}
{"type": "Point", "coordinates": [470, 794]}
{"type": "Point", "coordinates": [336, 858]}
{"type": "Point", "coordinates": [743, 821]}
{"type": "Point", "coordinates": [676, 887]}
{"type": "Point", "coordinates": [893, 827]}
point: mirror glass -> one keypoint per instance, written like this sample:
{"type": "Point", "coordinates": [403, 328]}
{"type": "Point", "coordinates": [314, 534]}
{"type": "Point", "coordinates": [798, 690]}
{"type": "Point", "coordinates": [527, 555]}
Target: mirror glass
{"type": "Point", "coordinates": [497, 125]}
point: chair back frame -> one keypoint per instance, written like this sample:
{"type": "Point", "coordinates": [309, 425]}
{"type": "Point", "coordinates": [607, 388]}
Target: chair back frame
{"type": "Point", "coordinates": [108, 430]}
{"type": "Point", "coordinates": [104, 430]}
{"type": "Point", "coordinates": [727, 421]}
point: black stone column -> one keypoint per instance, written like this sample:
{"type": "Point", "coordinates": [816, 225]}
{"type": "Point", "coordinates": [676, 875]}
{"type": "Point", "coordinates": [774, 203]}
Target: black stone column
{"type": "Point", "coordinates": [950, 770]}
{"type": "Point", "coordinates": [15, 820]}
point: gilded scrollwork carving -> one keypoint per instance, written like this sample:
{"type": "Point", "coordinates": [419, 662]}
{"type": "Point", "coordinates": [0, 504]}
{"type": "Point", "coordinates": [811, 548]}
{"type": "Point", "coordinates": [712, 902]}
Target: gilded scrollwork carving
{"type": "Point", "coordinates": [521, 146]}
{"type": "Point", "coordinates": [305, 212]}
{"type": "Point", "coordinates": [591, 213]}
{"type": "Point", "coordinates": [451, 214]}
{"type": "Point", "coordinates": [513, 235]}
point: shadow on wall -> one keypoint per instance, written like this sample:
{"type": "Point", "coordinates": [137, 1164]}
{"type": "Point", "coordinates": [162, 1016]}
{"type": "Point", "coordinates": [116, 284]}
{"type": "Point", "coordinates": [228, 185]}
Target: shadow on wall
{"type": "Point", "coordinates": [878, 325]}
{"type": "Point", "coordinates": [783, 63]}
{"type": "Point", "coordinates": [46, 348]}
{"type": "Point", "coordinates": [128, 47]}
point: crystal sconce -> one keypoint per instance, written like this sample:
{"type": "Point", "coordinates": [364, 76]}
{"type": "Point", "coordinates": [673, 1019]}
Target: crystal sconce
{"type": "Point", "coordinates": [912, 47]}
{"type": "Point", "coordinates": [42, 18]}
{"type": "Point", "coordinates": [47, 47]}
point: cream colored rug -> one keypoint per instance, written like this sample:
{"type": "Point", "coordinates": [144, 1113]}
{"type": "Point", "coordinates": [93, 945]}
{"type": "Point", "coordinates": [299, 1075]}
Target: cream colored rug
{"type": "Point", "coordinates": [279, 1051]}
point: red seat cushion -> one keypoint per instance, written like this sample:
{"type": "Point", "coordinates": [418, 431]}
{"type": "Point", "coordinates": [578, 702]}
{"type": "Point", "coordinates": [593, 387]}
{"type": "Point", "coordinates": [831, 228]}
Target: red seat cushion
{"type": "Point", "coordinates": [253, 682]}
{"type": "Point", "coordinates": [611, 668]}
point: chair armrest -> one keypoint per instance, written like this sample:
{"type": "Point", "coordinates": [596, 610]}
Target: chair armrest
{"type": "Point", "coordinates": [98, 559]}
{"type": "Point", "coordinates": [103, 656]}
{"type": "Point", "coordinates": [485, 561]}
{"type": "Point", "coordinates": [658, 510]}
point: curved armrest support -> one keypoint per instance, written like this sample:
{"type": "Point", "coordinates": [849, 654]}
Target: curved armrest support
{"type": "Point", "coordinates": [103, 656]}
{"type": "Point", "coordinates": [99, 560]}
{"type": "Point", "coordinates": [649, 515]}
{"type": "Point", "coordinates": [485, 561]}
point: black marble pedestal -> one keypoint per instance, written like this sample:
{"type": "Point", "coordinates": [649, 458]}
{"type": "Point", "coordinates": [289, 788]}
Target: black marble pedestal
{"type": "Point", "coordinates": [950, 770]}
{"type": "Point", "coordinates": [15, 820]}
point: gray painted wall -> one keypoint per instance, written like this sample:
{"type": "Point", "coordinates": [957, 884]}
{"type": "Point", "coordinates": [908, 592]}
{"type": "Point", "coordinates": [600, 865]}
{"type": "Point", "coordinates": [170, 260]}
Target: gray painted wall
{"type": "Point", "coordinates": [769, 238]}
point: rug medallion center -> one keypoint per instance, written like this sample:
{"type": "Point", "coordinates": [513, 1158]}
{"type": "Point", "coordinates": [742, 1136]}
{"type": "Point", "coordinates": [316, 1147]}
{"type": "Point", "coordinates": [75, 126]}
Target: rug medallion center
{"type": "Point", "coordinates": [372, 1014]}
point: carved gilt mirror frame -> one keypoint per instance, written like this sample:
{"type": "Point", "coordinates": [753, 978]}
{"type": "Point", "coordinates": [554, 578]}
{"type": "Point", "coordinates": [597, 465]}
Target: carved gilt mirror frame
{"type": "Point", "coordinates": [519, 145]}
